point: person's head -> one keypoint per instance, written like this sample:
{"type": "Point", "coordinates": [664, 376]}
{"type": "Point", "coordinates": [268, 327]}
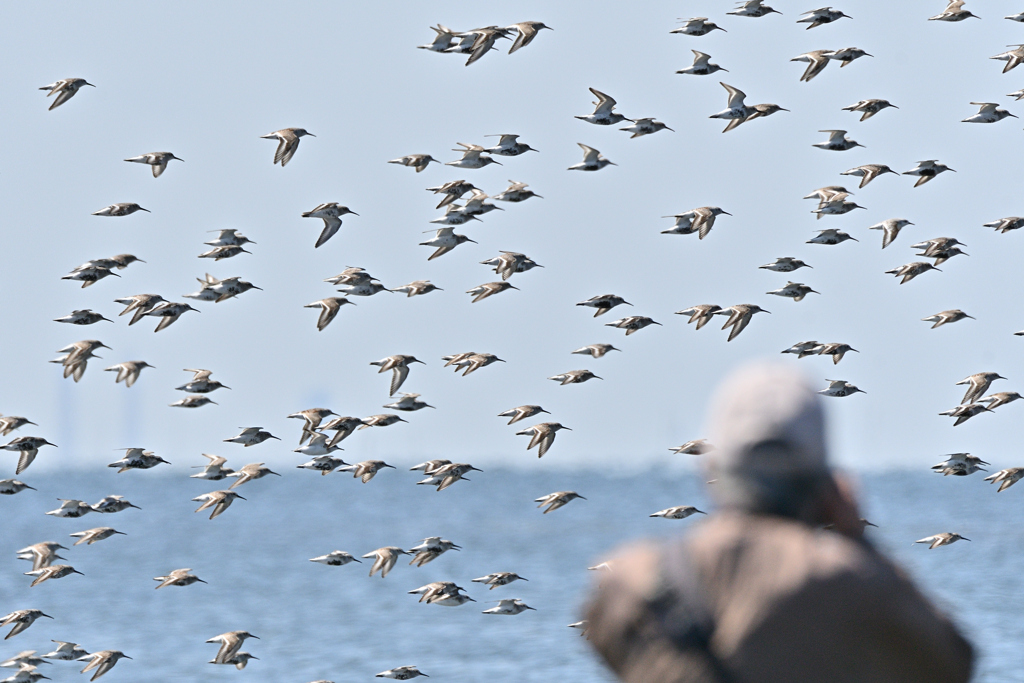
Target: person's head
{"type": "Point", "coordinates": [768, 428]}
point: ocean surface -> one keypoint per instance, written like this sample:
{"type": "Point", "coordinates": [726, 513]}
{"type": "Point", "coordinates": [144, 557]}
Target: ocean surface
{"type": "Point", "coordinates": [336, 623]}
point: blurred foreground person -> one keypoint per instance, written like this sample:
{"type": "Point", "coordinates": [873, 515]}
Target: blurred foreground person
{"type": "Point", "coordinates": [759, 592]}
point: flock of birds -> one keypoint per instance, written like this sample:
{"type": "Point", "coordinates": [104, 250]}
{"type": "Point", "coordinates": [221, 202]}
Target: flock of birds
{"type": "Point", "coordinates": [323, 430]}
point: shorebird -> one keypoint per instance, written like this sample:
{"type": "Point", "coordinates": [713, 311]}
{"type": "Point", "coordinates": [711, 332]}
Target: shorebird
{"type": "Point", "coordinates": [819, 17]}
{"type": "Point", "coordinates": [736, 110]}
{"type": "Point", "coordinates": [632, 323]}
{"type": "Point", "coordinates": [700, 314]}
{"type": "Point", "coordinates": [868, 172]}
{"type": "Point", "coordinates": [499, 579]}
{"type": "Point", "coordinates": [678, 512]}
{"type": "Point", "coordinates": [1006, 478]}
{"type": "Point", "coordinates": [522, 413]}
{"type": "Point", "coordinates": [287, 143]}
{"type": "Point", "coordinates": [335, 558]}
{"type": "Point", "coordinates": [227, 251]}
{"type": "Point", "coordinates": [950, 316]}
{"type": "Point", "coordinates": [831, 236]}
{"type": "Point", "coordinates": [954, 12]}
{"type": "Point", "coordinates": [384, 559]}
{"type": "Point", "coordinates": [27, 447]}
{"type": "Point", "coordinates": [475, 361]}
{"type": "Point", "coordinates": [329, 308]}
{"type": "Point", "coordinates": [839, 388]}
{"type": "Point", "coordinates": [343, 427]}
{"type": "Point", "coordinates": [169, 312]}
{"type": "Point", "coordinates": [822, 194]}
{"type": "Point", "coordinates": [122, 209]}
{"type": "Point", "coordinates": [695, 447]}
{"type": "Point", "coordinates": [481, 292]}
{"type": "Point", "coordinates": [65, 89]}
{"type": "Point", "coordinates": [697, 26]}
{"type": "Point", "coordinates": [25, 659]}
{"type": "Point", "coordinates": [739, 317]}
{"type": "Point", "coordinates": [42, 554]}
{"type": "Point", "coordinates": [9, 423]}
{"type": "Point", "coordinates": [66, 651]}
{"type": "Point", "coordinates": [445, 240]}
{"type": "Point", "coordinates": [88, 275]}
{"type": "Point", "coordinates": [137, 459]}
{"type": "Point", "coordinates": [508, 263]}
{"type": "Point", "coordinates": [783, 264]}
{"type": "Point", "coordinates": [430, 549]}
{"type": "Point", "coordinates": [847, 55]}
{"type": "Point", "coordinates": [365, 470]}
{"type": "Point", "coordinates": [510, 606]}
{"type": "Point", "coordinates": [557, 499]}
{"type": "Point", "coordinates": [383, 420]}
{"type": "Point", "coordinates": [218, 500]}
{"type": "Point", "coordinates": [965, 411]}
{"type": "Point", "coordinates": [430, 466]}
{"type": "Point", "coordinates": [645, 126]}
{"type": "Point", "coordinates": [869, 108]}
{"type": "Point", "coordinates": [1005, 225]}
{"type": "Point", "coordinates": [749, 8]}
{"type": "Point", "coordinates": [516, 192]}
{"type": "Point", "coordinates": [942, 539]}
{"type": "Point", "coordinates": [251, 436]}
{"type": "Point", "coordinates": [837, 141]}
{"type": "Point", "coordinates": [835, 205]}
{"type": "Point", "coordinates": [408, 403]}
{"type": "Point", "coordinates": [112, 504]}
{"type": "Point", "coordinates": [890, 229]}
{"type": "Point", "coordinates": [596, 350]}
{"type": "Point", "coordinates": [447, 474]}
{"type": "Point", "coordinates": [703, 219]}
{"type": "Point", "coordinates": [416, 161]}
{"type": "Point", "coordinates": [816, 60]}
{"type": "Point", "coordinates": [192, 402]}
{"type": "Point", "coordinates": [157, 160]}
{"type": "Point", "coordinates": [240, 660]}
{"type": "Point", "coordinates": [603, 303]}
{"type": "Point", "coordinates": [331, 213]}
{"type": "Point", "coordinates": [835, 349]}
{"type": "Point", "coordinates": [592, 160]}
{"type": "Point", "coordinates": [1017, 94]}
{"type": "Point", "coordinates": [940, 248]}
{"type": "Point", "coordinates": [483, 41]}
{"type": "Point", "coordinates": [250, 472]}
{"type": "Point", "coordinates": [9, 487]}
{"type": "Point", "coordinates": [128, 372]}
{"type": "Point", "coordinates": [178, 577]}
{"type": "Point", "coordinates": [103, 661]}
{"type": "Point", "coordinates": [229, 237]}
{"type": "Point", "coordinates": [603, 114]}
{"type": "Point", "coordinates": [794, 290]}
{"type": "Point", "coordinates": [71, 509]}
{"type": "Point", "coordinates": [911, 270]}
{"type": "Point", "coordinates": [442, 40]}
{"type": "Point", "coordinates": [402, 673]}
{"type": "Point", "coordinates": [926, 170]}
{"type": "Point", "coordinates": [473, 157]}
{"type": "Point", "coordinates": [1000, 399]}
{"type": "Point", "coordinates": [417, 287]}
{"type": "Point", "coordinates": [541, 435]}
{"type": "Point", "coordinates": [702, 65]}
{"type": "Point", "coordinates": [140, 303]}
{"type": "Point", "coordinates": [989, 113]}
{"type": "Point", "coordinates": [364, 289]}
{"type": "Point", "coordinates": [230, 645]}
{"type": "Point", "coordinates": [324, 464]}
{"type": "Point", "coordinates": [960, 465]}
{"type": "Point", "coordinates": [508, 145]}
{"type": "Point", "coordinates": [574, 377]}
{"type": "Point", "coordinates": [21, 619]}
{"type": "Point", "coordinates": [977, 385]}
{"type": "Point", "coordinates": [399, 365]}
{"type": "Point", "coordinates": [528, 30]}
{"type": "Point", "coordinates": [54, 571]}
{"type": "Point", "coordinates": [452, 191]}
{"type": "Point", "coordinates": [444, 593]}
{"type": "Point", "coordinates": [1013, 59]}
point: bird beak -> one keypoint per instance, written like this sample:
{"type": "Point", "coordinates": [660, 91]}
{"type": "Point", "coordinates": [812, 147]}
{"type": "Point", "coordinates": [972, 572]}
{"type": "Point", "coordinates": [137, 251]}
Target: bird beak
{"type": "Point", "coordinates": [566, 428]}
{"type": "Point", "coordinates": [247, 499]}
{"type": "Point", "coordinates": [313, 136]}
{"type": "Point", "coordinates": [726, 213]}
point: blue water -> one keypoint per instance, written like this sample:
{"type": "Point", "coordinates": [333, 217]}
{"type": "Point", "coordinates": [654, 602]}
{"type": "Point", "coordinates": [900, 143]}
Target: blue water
{"type": "Point", "coordinates": [335, 623]}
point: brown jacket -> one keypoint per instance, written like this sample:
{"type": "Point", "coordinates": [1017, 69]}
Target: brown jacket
{"type": "Point", "coordinates": [783, 603]}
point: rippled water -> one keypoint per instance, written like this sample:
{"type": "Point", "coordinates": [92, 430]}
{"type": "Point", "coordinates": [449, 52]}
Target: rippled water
{"type": "Point", "coordinates": [320, 622]}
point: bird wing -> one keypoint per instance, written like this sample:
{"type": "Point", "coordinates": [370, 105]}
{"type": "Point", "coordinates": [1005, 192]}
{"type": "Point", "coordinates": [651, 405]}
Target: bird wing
{"type": "Point", "coordinates": [331, 225]}
{"type": "Point", "coordinates": [736, 96]}
{"type": "Point", "coordinates": [604, 104]}
{"type": "Point", "coordinates": [590, 154]}
{"type": "Point", "coordinates": [286, 150]}
{"type": "Point", "coordinates": [399, 373]}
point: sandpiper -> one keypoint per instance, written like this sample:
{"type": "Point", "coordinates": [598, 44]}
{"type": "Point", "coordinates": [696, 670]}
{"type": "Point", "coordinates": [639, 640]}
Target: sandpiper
{"type": "Point", "coordinates": [794, 290]}
{"type": "Point", "coordinates": [137, 459]}
{"type": "Point", "coordinates": [1013, 58]}
{"type": "Point", "coordinates": [10, 487]}
{"type": "Point", "coordinates": [835, 349]}
{"type": "Point", "coordinates": [541, 435]}
{"type": "Point", "coordinates": [230, 644]}
{"type": "Point", "coordinates": [103, 661]}
{"type": "Point", "coordinates": [399, 365]}
{"type": "Point", "coordinates": [508, 263]}
{"type": "Point", "coordinates": [416, 161]}
{"type": "Point", "coordinates": [445, 240]}
{"type": "Point", "coordinates": [169, 312]}
{"type": "Point", "coordinates": [989, 113]}
{"type": "Point", "coordinates": [839, 388]}
{"type": "Point", "coordinates": [516, 192]}
{"type": "Point", "coordinates": [557, 499]}
{"type": "Point", "coordinates": [250, 472]}
{"type": "Point", "coordinates": [736, 111]}
{"type": "Point", "coordinates": [499, 579]}
{"type": "Point", "coordinates": [816, 60]}
{"type": "Point", "coordinates": [702, 65]}
{"type": "Point", "coordinates": [528, 30]}
{"type": "Point", "coordinates": [1005, 225]}
{"type": "Point", "coordinates": [481, 292]}
{"type": "Point", "coordinates": [960, 465]}
{"type": "Point", "coordinates": [122, 209]}
{"type": "Point", "coordinates": [700, 314]}
{"type": "Point", "coordinates": [251, 436]}
{"type": "Point", "coordinates": [593, 160]}
{"type": "Point", "coordinates": [837, 141]}
{"type": "Point", "coordinates": [383, 420]}
{"type": "Point", "coordinates": [1000, 399]}
{"type": "Point", "coordinates": [9, 423]}
{"type": "Point", "coordinates": [1006, 478]}
{"type": "Point", "coordinates": [91, 536]}
{"type": "Point", "coordinates": [140, 303]}
{"type": "Point", "coordinates": [509, 606]}
{"type": "Point", "coordinates": [343, 427]}
{"type": "Point", "coordinates": [26, 659]}
{"type": "Point", "coordinates": [178, 577]}
{"type": "Point", "coordinates": [71, 508]}
{"type": "Point", "coordinates": [192, 402]}
{"type": "Point", "coordinates": [218, 500]}
{"type": "Point", "coordinates": [447, 474]}
{"type": "Point", "coordinates": [112, 504]}
{"type": "Point", "coordinates": [408, 403]}
{"type": "Point", "coordinates": [287, 143]}
{"type": "Point", "coordinates": [804, 349]}
{"type": "Point", "coordinates": [22, 619]}
{"type": "Point", "coordinates": [66, 651]}
{"type": "Point", "coordinates": [739, 317]}
{"type": "Point", "coordinates": [596, 350]}
{"type": "Point", "coordinates": [473, 156]}
{"type": "Point", "coordinates": [697, 26]}
{"type": "Point", "coordinates": [128, 372]}
{"type": "Point", "coordinates": [157, 160]}
{"type": "Point", "coordinates": [603, 303]}
{"type": "Point", "coordinates": [430, 549]}
{"type": "Point", "coordinates": [27, 447]}
{"type": "Point", "coordinates": [632, 323]}
{"type": "Point", "coordinates": [223, 252]}
{"type": "Point", "coordinates": [329, 308]}
{"type": "Point", "coordinates": [951, 316]}
{"type": "Point", "coordinates": [694, 447]}
{"type": "Point", "coordinates": [645, 126]}
{"type": "Point", "coordinates": [324, 464]}
{"type": "Point", "coordinates": [977, 385]}
{"type": "Point", "coordinates": [831, 236]}
{"type": "Point", "coordinates": [603, 114]}
{"type": "Point", "coordinates": [475, 361]}
{"type": "Point", "coordinates": [574, 377]}
{"type": "Point", "coordinates": [784, 264]}
{"type": "Point", "coordinates": [954, 12]}
{"type": "Point", "coordinates": [65, 89]}
{"type": "Point", "coordinates": [508, 145]}
{"type": "Point", "coordinates": [384, 559]}
{"type": "Point", "coordinates": [911, 270]}
{"type": "Point", "coordinates": [942, 539]}
{"type": "Point", "coordinates": [335, 558]}
{"type": "Point", "coordinates": [54, 571]}
{"type": "Point", "coordinates": [926, 170]}
{"type": "Point", "coordinates": [402, 673]}
{"type": "Point", "coordinates": [228, 237]}
{"type": "Point", "coordinates": [452, 191]}
{"type": "Point", "coordinates": [365, 470]}
{"type": "Point", "coordinates": [965, 412]}
{"type": "Point", "coordinates": [819, 17]}
{"type": "Point", "coordinates": [417, 287]}
{"type": "Point", "coordinates": [749, 8]}
{"type": "Point", "coordinates": [678, 512]}
{"type": "Point", "coordinates": [522, 413]}
{"type": "Point", "coordinates": [868, 172]}
{"type": "Point", "coordinates": [869, 108]}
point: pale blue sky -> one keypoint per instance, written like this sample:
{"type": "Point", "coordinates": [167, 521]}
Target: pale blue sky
{"type": "Point", "coordinates": [205, 80]}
